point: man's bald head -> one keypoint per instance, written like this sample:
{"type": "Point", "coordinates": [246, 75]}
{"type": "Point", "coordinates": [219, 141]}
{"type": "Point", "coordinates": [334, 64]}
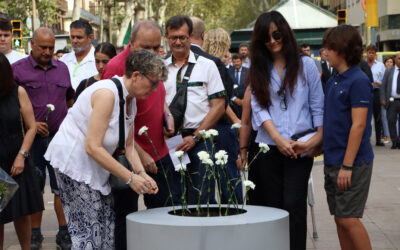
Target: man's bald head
{"type": "Point", "coordinates": [146, 35]}
{"type": "Point", "coordinates": [42, 32]}
{"type": "Point", "coordinates": [42, 44]}
{"type": "Point", "coordinates": [199, 28]}
{"type": "Point", "coordinates": [145, 24]}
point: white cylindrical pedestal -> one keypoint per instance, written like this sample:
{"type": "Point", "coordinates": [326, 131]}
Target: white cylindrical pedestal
{"type": "Point", "coordinates": [260, 228]}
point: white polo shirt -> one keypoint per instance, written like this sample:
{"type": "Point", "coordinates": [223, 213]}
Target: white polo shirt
{"type": "Point", "coordinates": [80, 71]}
{"type": "Point", "coordinates": [204, 84]}
{"type": "Point", "coordinates": [14, 56]}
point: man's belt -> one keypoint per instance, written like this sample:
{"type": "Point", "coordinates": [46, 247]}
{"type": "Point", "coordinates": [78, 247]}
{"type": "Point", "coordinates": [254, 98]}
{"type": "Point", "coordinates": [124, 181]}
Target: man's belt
{"type": "Point", "coordinates": [187, 131]}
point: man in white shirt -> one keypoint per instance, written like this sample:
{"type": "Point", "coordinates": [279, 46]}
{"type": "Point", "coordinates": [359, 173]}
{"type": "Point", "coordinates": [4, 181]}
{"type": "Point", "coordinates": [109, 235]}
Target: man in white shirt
{"type": "Point", "coordinates": [205, 101]}
{"type": "Point", "coordinates": [390, 99]}
{"type": "Point", "coordinates": [81, 63]}
{"type": "Point", "coordinates": [5, 42]}
{"type": "Point", "coordinates": [377, 69]}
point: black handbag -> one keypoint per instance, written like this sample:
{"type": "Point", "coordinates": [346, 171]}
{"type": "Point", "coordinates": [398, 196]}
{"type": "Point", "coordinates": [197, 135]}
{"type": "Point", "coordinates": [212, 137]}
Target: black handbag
{"type": "Point", "coordinates": [178, 104]}
{"type": "Point", "coordinates": [119, 154]}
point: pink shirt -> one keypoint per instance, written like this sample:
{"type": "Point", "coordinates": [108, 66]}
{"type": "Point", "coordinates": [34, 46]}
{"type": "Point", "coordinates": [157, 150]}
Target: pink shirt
{"type": "Point", "coordinates": [150, 111]}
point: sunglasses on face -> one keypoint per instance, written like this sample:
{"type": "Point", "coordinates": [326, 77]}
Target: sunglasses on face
{"type": "Point", "coordinates": [276, 35]}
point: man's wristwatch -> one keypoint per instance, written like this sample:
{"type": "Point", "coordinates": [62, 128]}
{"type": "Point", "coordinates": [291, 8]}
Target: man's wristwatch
{"type": "Point", "coordinates": [24, 153]}
{"type": "Point", "coordinates": [349, 168]}
{"type": "Point", "coordinates": [196, 139]}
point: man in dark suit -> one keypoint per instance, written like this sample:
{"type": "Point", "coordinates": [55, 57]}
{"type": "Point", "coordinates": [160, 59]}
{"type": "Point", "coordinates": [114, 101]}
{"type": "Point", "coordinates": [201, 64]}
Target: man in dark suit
{"type": "Point", "coordinates": [238, 73]}
{"type": "Point", "coordinates": [390, 99]}
{"type": "Point", "coordinates": [327, 70]}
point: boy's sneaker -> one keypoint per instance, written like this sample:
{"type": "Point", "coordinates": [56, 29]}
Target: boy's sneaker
{"type": "Point", "coordinates": [36, 240]}
{"type": "Point", "coordinates": [63, 240]}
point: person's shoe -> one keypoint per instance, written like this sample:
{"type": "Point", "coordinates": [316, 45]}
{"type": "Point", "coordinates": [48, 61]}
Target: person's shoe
{"type": "Point", "coordinates": [36, 240]}
{"type": "Point", "coordinates": [63, 240]}
{"type": "Point", "coordinates": [394, 145]}
{"type": "Point", "coordinates": [380, 144]}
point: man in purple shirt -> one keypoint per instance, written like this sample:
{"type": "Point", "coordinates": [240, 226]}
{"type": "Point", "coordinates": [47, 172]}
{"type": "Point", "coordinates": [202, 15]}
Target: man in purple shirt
{"type": "Point", "coordinates": [46, 81]}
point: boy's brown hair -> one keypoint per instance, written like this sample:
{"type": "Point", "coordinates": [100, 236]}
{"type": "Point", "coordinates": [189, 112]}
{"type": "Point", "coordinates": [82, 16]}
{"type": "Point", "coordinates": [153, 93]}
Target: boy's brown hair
{"type": "Point", "coordinates": [346, 41]}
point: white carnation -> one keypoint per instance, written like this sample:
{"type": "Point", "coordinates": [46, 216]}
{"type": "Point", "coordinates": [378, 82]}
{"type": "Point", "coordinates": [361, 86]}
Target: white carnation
{"type": "Point", "coordinates": [249, 184]}
{"type": "Point", "coordinates": [180, 167]}
{"type": "Point", "coordinates": [50, 107]}
{"type": "Point", "coordinates": [222, 157]}
{"type": "Point", "coordinates": [143, 130]}
{"type": "Point", "coordinates": [391, 99]}
{"type": "Point", "coordinates": [179, 153]}
{"type": "Point", "coordinates": [211, 132]}
{"type": "Point", "coordinates": [203, 156]}
{"type": "Point", "coordinates": [263, 147]}
{"type": "Point", "coordinates": [236, 126]}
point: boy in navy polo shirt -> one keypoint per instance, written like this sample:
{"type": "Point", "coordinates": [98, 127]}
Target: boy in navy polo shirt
{"type": "Point", "coordinates": [348, 153]}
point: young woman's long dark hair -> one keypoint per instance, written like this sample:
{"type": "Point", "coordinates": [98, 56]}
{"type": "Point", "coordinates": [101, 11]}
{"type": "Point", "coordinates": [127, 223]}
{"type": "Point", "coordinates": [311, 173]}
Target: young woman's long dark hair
{"type": "Point", "coordinates": [7, 79]}
{"type": "Point", "coordinates": [259, 75]}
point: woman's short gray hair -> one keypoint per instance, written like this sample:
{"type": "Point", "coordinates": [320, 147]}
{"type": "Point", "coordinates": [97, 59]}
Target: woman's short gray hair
{"type": "Point", "coordinates": [147, 63]}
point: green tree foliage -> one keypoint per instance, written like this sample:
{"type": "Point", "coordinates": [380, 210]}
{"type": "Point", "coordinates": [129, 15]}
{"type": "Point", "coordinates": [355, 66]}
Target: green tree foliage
{"type": "Point", "coordinates": [22, 9]}
{"type": "Point", "coordinates": [227, 14]}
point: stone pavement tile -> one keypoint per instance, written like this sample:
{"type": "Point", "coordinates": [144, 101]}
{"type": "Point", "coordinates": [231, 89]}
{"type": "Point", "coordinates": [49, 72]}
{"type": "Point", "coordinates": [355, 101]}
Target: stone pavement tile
{"type": "Point", "coordinates": [379, 240]}
{"type": "Point", "coordinates": [386, 218]}
{"type": "Point", "coordinates": [327, 240]}
{"type": "Point", "coordinates": [394, 238]}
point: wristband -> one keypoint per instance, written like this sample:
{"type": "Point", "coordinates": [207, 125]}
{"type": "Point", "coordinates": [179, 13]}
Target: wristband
{"type": "Point", "coordinates": [346, 168]}
{"type": "Point", "coordinates": [130, 179]}
{"type": "Point", "coordinates": [141, 171]}
{"type": "Point", "coordinates": [244, 147]}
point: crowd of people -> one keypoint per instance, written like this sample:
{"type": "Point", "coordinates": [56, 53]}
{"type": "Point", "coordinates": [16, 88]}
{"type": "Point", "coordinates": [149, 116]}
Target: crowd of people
{"type": "Point", "coordinates": [61, 112]}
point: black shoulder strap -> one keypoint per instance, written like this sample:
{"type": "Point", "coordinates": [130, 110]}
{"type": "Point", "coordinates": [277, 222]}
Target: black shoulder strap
{"type": "Point", "coordinates": [189, 70]}
{"type": "Point", "coordinates": [121, 142]}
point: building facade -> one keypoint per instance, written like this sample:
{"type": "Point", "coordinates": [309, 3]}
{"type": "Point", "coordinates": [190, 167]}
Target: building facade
{"type": "Point", "coordinates": [388, 31]}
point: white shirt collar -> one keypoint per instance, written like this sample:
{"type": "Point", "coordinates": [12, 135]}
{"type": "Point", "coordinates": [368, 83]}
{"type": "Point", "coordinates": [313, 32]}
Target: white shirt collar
{"type": "Point", "coordinates": [192, 58]}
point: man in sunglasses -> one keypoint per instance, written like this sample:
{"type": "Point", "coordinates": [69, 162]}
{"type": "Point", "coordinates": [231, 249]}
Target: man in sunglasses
{"type": "Point", "coordinates": [151, 112]}
{"type": "Point", "coordinates": [205, 102]}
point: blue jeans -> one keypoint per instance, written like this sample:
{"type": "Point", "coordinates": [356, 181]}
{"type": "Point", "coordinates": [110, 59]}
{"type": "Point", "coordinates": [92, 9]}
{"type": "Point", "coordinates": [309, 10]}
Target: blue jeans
{"type": "Point", "coordinates": [161, 198]}
{"type": "Point", "coordinates": [227, 140]}
{"type": "Point", "coordinates": [195, 180]}
{"type": "Point", "coordinates": [39, 147]}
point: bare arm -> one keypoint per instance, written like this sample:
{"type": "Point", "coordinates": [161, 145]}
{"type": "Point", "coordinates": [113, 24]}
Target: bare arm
{"type": "Point", "coordinates": [171, 130]}
{"type": "Point", "coordinates": [231, 115]}
{"type": "Point", "coordinates": [133, 156]}
{"type": "Point", "coordinates": [102, 102]}
{"type": "Point", "coordinates": [245, 130]}
{"type": "Point", "coordinates": [359, 119]}
{"type": "Point", "coordinates": [146, 159]}
{"type": "Point", "coordinates": [30, 124]}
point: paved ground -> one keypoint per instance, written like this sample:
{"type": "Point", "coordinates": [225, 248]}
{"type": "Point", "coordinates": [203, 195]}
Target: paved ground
{"type": "Point", "coordinates": [381, 217]}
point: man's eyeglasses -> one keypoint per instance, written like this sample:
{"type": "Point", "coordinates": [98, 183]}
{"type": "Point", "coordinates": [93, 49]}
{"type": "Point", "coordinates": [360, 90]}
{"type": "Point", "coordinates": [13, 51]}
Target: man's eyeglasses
{"type": "Point", "coordinates": [276, 35]}
{"type": "Point", "coordinates": [155, 84]}
{"type": "Point", "coordinates": [175, 38]}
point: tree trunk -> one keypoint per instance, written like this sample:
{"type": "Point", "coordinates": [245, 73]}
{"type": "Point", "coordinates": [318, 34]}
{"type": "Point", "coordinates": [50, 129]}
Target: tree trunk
{"type": "Point", "coordinates": [76, 11]}
{"type": "Point", "coordinates": [102, 2]}
{"type": "Point", "coordinates": [253, 7]}
{"type": "Point", "coordinates": [109, 6]}
{"type": "Point", "coordinates": [161, 13]}
{"type": "Point", "coordinates": [125, 22]}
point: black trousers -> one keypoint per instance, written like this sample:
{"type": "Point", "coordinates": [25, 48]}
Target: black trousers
{"type": "Point", "coordinates": [393, 112]}
{"type": "Point", "coordinates": [377, 115]}
{"type": "Point", "coordinates": [282, 182]}
{"type": "Point", "coordinates": [125, 202]}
